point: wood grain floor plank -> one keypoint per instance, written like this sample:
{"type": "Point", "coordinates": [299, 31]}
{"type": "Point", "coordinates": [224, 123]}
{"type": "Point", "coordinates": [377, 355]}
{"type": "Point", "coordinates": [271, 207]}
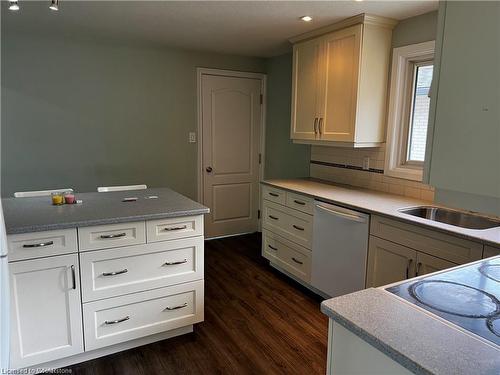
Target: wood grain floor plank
{"type": "Point", "coordinates": [257, 321]}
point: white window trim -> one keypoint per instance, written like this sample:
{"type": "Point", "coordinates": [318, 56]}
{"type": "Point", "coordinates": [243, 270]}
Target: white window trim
{"type": "Point", "coordinates": [402, 59]}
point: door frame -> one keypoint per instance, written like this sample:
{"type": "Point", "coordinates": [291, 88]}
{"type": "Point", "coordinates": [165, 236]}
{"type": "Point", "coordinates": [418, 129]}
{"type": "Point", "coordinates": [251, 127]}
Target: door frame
{"type": "Point", "coordinates": [200, 72]}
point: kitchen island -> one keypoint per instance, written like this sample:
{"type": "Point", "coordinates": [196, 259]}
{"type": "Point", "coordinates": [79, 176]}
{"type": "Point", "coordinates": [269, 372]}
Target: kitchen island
{"type": "Point", "coordinates": [24, 215]}
{"type": "Point", "coordinates": [119, 270]}
{"type": "Point", "coordinates": [420, 325]}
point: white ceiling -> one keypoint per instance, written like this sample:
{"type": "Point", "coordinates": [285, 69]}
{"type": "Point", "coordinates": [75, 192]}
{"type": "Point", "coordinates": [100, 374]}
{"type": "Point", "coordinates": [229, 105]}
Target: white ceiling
{"type": "Point", "coordinates": [253, 28]}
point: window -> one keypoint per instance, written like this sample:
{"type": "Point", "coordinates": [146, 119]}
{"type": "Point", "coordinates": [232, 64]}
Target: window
{"type": "Point", "coordinates": [409, 104]}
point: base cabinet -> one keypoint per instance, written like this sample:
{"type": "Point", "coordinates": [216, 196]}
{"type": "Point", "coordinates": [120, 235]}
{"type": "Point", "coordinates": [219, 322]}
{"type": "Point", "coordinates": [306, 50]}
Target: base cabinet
{"type": "Point", "coordinates": [429, 264]}
{"type": "Point", "coordinates": [349, 354]}
{"type": "Point", "coordinates": [389, 262]}
{"type": "Point", "coordinates": [133, 290]}
{"type": "Point", "coordinates": [490, 251]}
{"type": "Point", "coordinates": [45, 310]}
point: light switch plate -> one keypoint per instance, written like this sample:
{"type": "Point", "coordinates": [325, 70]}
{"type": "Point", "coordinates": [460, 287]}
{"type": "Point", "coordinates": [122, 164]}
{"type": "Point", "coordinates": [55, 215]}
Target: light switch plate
{"type": "Point", "coordinates": [192, 137]}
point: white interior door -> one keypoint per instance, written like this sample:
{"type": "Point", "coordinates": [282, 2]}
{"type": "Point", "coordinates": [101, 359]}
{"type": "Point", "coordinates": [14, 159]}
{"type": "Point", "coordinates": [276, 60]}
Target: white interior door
{"type": "Point", "coordinates": [231, 130]}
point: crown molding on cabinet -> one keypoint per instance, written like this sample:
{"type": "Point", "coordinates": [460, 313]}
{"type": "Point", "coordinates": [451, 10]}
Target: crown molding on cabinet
{"type": "Point", "coordinates": [364, 18]}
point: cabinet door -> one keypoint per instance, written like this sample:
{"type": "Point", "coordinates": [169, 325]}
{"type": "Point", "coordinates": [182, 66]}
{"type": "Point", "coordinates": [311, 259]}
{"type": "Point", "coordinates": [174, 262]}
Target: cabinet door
{"type": "Point", "coordinates": [490, 251]}
{"type": "Point", "coordinates": [305, 83]}
{"type": "Point", "coordinates": [46, 313]}
{"type": "Point", "coordinates": [342, 51]}
{"type": "Point", "coordinates": [428, 264]}
{"type": "Point", "coordinates": [388, 262]}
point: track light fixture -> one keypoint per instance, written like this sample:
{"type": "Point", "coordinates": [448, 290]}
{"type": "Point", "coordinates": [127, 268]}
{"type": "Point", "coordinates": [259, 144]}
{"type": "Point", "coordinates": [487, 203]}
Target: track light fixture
{"type": "Point", "coordinates": [54, 5]}
{"type": "Point", "coordinates": [13, 5]}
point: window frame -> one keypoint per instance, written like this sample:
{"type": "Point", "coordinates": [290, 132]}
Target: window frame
{"type": "Point", "coordinates": [404, 61]}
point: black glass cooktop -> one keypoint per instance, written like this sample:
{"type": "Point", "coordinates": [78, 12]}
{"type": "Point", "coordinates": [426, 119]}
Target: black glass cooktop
{"type": "Point", "coordinates": [468, 297]}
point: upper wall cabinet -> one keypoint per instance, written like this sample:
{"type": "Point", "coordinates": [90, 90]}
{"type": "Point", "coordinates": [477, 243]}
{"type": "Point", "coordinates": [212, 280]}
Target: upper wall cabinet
{"type": "Point", "coordinates": [340, 83]}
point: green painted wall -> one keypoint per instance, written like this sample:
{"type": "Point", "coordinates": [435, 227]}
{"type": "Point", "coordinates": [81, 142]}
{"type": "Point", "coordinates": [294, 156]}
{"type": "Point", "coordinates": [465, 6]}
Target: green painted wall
{"type": "Point", "coordinates": [464, 164]}
{"type": "Point", "coordinates": [284, 159]}
{"type": "Point", "coordinates": [416, 29]}
{"type": "Point", "coordinates": [80, 114]}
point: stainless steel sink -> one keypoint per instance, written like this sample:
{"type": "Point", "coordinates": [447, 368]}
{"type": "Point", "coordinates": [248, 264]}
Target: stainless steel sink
{"type": "Point", "coordinates": [452, 217]}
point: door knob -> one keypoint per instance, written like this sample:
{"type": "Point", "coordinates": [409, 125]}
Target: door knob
{"type": "Point", "coordinates": [209, 169]}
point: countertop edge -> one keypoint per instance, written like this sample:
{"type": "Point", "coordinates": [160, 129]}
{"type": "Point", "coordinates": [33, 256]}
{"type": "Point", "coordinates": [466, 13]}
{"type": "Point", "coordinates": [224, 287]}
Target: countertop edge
{"type": "Point", "coordinates": [104, 221]}
{"type": "Point", "coordinates": [367, 210]}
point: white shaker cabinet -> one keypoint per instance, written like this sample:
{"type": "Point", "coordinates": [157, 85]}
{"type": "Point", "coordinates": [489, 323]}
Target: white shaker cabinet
{"type": "Point", "coordinates": [306, 89]}
{"type": "Point", "coordinates": [46, 310]}
{"type": "Point", "coordinates": [339, 83]}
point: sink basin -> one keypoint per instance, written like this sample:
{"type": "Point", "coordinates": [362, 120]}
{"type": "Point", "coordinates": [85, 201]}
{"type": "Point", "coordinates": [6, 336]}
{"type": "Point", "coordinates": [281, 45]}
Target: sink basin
{"type": "Point", "coordinates": [452, 217]}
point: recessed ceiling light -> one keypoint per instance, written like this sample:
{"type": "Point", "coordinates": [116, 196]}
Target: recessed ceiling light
{"type": "Point", "coordinates": [306, 18]}
{"type": "Point", "coordinates": [13, 5]}
{"type": "Point", "coordinates": [54, 5]}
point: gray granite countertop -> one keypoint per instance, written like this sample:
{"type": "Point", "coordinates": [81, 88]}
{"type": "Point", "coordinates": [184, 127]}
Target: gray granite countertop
{"type": "Point", "coordinates": [23, 215]}
{"type": "Point", "coordinates": [414, 338]}
{"type": "Point", "coordinates": [380, 203]}
{"type": "Point", "coordinates": [419, 341]}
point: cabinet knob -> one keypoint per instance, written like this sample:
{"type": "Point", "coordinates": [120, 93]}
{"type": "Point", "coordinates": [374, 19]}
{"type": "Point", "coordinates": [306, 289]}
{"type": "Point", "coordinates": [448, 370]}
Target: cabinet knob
{"type": "Point", "coordinates": [209, 169]}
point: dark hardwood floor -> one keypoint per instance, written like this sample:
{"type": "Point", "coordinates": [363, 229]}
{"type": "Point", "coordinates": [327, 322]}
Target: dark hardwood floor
{"type": "Point", "coordinates": [257, 321]}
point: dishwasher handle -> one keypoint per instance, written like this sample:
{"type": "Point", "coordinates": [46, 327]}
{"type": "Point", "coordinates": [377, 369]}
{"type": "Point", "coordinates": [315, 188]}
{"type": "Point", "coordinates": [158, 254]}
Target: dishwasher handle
{"type": "Point", "coordinates": [344, 215]}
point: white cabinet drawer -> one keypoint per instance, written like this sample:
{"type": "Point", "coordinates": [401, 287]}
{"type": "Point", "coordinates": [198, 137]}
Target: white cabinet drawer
{"type": "Point", "coordinates": [274, 195]}
{"type": "Point", "coordinates": [295, 226]}
{"type": "Point", "coordinates": [300, 202]}
{"type": "Point", "coordinates": [291, 257]}
{"type": "Point", "coordinates": [177, 227]}
{"type": "Point", "coordinates": [115, 320]}
{"type": "Point", "coordinates": [112, 235]}
{"type": "Point", "coordinates": [42, 244]}
{"type": "Point", "coordinates": [114, 272]}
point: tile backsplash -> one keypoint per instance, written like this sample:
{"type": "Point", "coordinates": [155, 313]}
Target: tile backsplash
{"type": "Point", "coordinates": [344, 166]}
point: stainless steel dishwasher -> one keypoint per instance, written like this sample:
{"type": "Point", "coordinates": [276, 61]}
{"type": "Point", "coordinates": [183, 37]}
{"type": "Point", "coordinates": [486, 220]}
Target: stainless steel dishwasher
{"type": "Point", "coordinates": [340, 249]}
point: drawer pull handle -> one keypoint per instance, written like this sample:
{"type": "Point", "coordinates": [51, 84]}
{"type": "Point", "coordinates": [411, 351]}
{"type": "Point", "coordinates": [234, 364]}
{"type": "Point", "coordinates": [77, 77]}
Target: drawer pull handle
{"type": "Point", "coordinates": [168, 229]}
{"type": "Point", "coordinates": [73, 276]}
{"type": "Point", "coordinates": [299, 202]}
{"type": "Point", "coordinates": [41, 244]}
{"type": "Point", "coordinates": [111, 236]}
{"type": "Point", "coordinates": [419, 264]}
{"type": "Point", "coordinates": [117, 320]}
{"type": "Point", "coordinates": [297, 227]}
{"type": "Point", "coordinates": [273, 217]}
{"type": "Point", "coordinates": [273, 248]}
{"type": "Point", "coordinates": [297, 261]}
{"type": "Point", "coordinates": [168, 308]}
{"type": "Point", "coordinates": [174, 263]}
{"type": "Point", "coordinates": [274, 195]}
{"type": "Point", "coordinates": [408, 268]}
{"type": "Point", "coordinates": [114, 273]}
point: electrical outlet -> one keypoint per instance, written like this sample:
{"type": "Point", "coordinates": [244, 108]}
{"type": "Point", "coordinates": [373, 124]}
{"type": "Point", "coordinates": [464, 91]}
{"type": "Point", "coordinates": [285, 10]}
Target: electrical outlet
{"type": "Point", "coordinates": [366, 163]}
{"type": "Point", "coordinates": [192, 137]}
